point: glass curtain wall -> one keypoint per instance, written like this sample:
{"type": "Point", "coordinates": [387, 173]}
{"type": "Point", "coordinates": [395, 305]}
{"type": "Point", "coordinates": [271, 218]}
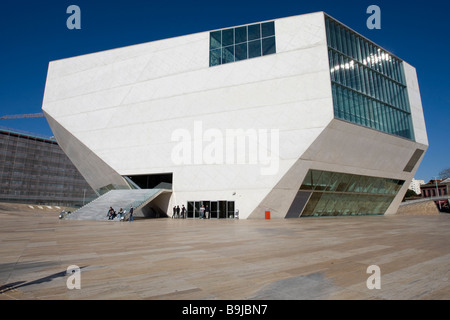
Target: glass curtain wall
{"type": "Point", "coordinates": [368, 83]}
{"type": "Point", "coordinates": [340, 194]}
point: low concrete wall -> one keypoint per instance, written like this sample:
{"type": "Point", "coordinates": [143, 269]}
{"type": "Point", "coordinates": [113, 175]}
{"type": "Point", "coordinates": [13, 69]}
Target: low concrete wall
{"type": "Point", "coordinates": [419, 208]}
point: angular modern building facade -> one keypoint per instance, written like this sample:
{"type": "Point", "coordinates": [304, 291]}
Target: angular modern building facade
{"type": "Point", "coordinates": [300, 116]}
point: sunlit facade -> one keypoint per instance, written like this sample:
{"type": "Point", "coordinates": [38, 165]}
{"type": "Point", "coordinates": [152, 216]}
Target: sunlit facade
{"type": "Point", "coordinates": [337, 119]}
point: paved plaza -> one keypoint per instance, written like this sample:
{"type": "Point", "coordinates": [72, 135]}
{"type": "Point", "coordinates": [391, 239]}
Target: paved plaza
{"type": "Point", "coordinates": [173, 259]}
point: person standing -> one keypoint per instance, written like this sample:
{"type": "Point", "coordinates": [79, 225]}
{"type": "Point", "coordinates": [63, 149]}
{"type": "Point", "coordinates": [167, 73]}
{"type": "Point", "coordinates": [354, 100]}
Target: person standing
{"type": "Point", "coordinates": [207, 212]}
{"type": "Point", "coordinates": [178, 211]}
{"type": "Point", "coordinates": [130, 217]}
{"type": "Point", "coordinates": [202, 212]}
{"type": "Point", "coordinates": [183, 212]}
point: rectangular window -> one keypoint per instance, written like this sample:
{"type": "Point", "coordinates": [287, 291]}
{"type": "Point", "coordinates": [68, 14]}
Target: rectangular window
{"type": "Point", "coordinates": [228, 54]}
{"type": "Point", "coordinates": [268, 29]}
{"type": "Point", "coordinates": [254, 49]}
{"type": "Point", "coordinates": [240, 34]}
{"type": "Point", "coordinates": [215, 40]}
{"type": "Point", "coordinates": [227, 37]}
{"type": "Point", "coordinates": [241, 43]}
{"type": "Point", "coordinates": [215, 57]}
{"type": "Point", "coordinates": [254, 32]}
{"type": "Point", "coordinates": [268, 46]}
{"type": "Point", "coordinates": [240, 51]}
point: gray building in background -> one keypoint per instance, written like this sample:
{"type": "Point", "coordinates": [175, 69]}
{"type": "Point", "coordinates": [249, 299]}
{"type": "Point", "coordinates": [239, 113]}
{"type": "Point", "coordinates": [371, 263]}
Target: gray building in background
{"type": "Point", "coordinates": [34, 169]}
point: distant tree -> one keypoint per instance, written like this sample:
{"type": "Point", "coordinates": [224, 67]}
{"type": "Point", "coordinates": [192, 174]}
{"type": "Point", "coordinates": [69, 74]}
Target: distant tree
{"type": "Point", "coordinates": [444, 174]}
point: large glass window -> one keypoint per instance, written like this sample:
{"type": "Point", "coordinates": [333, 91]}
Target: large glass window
{"type": "Point", "coordinates": [336, 194]}
{"type": "Point", "coordinates": [241, 43]}
{"type": "Point", "coordinates": [371, 81]}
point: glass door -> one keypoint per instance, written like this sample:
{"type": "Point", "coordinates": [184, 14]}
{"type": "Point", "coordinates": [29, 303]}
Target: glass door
{"type": "Point", "coordinates": [218, 209]}
{"type": "Point", "coordinates": [207, 206]}
{"type": "Point", "coordinates": [230, 209]}
{"type": "Point", "coordinates": [197, 209]}
{"type": "Point", "coordinates": [190, 209]}
{"type": "Point", "coordinates": [214, 210]}
{"type": "Point", "coordinates": [222, 209]}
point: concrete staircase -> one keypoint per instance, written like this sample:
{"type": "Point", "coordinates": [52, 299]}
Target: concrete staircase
{"type": "Point", "coordinates": [98, 208]}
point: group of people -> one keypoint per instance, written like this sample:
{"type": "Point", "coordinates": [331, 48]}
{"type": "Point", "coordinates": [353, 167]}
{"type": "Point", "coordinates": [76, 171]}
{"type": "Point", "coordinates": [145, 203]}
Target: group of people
{"type": "Point", "coordinates": [112, 214]}
{"type": "Point", "coordinates": [205, 213]}
{"type": "Point", "coordinates": [179, 212]}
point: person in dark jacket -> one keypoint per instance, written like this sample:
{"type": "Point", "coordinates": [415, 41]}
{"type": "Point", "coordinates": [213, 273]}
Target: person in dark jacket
{"type": "Point", "coordinates": [130, 217]}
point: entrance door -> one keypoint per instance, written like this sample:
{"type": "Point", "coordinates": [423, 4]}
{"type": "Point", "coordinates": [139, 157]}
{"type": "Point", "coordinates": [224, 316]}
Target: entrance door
{"type": "Point", "coordinates": [214, 210]}
{"type": "Point", "coordinates": [190, 209]}
{"type": "Point", "coordinates": [218, 209]}
{"type": "Point", "coordinates": [222, 209]}
{"type": "Point", "coordinates": [230, 209]}
{"type": "Point", "coordinates": [207, 205]}
{"type": "Point", "coordinates": [197, 210]}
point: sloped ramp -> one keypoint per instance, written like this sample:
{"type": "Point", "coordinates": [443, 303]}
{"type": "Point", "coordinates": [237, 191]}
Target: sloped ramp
{"type": "Point", "coordinates": [98, 209]}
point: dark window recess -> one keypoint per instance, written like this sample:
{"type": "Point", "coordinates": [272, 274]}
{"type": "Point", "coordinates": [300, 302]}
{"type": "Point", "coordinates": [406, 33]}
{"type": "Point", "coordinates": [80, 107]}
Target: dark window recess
{"type": "Point", "coordinates": [254, 49]}
{"type": "Point", "coordinates": [150, 181]}
{"type": "Point", "coordinates": [268, 29]}
{"type": "Point", "coordinates": [240, 51]}
{"type": "Point", "coordinates": [240, 34]}
{"type": "Point", "coordinates": [254, 32]}
{"type": "Point", "coordinates": [413, 161]}
{"type": "Point", "coordinates": [268, 46]}
{"type": "Point", "coordinates": [227, 37]}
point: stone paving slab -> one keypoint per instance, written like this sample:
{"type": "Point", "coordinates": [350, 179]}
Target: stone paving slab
{"type": "Point", "coordinates": [166, 259]}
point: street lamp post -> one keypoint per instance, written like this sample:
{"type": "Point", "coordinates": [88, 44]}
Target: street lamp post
{"type": "Point", "coordinates": [437, 192]}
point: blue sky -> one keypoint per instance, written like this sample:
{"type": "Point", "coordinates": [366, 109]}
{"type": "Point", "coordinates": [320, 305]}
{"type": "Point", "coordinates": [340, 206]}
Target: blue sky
{"type": "Point", "coordinates": [32, 33]}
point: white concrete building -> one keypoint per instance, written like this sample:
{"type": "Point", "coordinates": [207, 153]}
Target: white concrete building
{"type": "Point", "coordinates": [415, 185]}
{"type": "Point", "coordinates": [299, 116]}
